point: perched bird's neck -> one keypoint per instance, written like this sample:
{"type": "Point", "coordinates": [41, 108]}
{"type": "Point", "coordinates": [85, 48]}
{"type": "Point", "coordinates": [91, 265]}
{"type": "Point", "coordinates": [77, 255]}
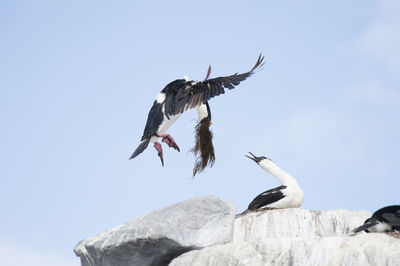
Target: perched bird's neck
{"type": "Point", "coordinates": [282, 176]}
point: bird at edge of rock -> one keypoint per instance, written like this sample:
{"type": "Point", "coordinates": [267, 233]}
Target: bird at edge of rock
{"type": "Point", "coordinates": [176, 98]}
{"type": "Point", "coordinates": [288, 195]}
{"type": "Point", "coordinates": [386, 219]}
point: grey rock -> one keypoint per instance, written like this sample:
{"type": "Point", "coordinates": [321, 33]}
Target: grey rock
{"type": "Point", "coordinates": [158, 237]}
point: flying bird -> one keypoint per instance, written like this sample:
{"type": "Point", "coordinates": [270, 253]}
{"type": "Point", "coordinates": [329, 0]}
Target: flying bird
{"type": "Point", "coordinates": [386, 219]}
{"type": "Point", "coordinates": [288, 195]}
{"type": "Point", "coordinates": [176, 98]}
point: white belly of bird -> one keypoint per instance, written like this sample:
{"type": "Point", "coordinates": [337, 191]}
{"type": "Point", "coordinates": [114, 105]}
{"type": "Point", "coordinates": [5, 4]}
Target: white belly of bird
{"type": "Point", "coordinates": [380, 227]}
{"type": "Point", "coordinates": [293, 198]}
{"type": "Point", "coordinates": [165, 125]}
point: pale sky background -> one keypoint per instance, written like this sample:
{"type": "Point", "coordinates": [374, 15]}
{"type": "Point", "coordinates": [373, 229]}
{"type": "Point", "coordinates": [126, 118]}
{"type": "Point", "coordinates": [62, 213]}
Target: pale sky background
{"type": "Point", "coordinates": [77, 79]}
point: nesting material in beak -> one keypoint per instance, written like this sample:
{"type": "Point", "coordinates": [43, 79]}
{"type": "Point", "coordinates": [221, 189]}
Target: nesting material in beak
{"type": "Point", "coordinates": [204, 148]}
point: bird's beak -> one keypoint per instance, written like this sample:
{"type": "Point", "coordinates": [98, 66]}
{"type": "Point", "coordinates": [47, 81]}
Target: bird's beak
{"type": "Point", "coordinates": [254, 158]}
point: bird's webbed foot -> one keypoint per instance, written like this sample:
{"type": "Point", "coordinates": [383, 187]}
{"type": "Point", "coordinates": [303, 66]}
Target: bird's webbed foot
{"type": "Point", "coordinates": [158, 147]}
{"type": "Point", "coordinates": [169, 141]}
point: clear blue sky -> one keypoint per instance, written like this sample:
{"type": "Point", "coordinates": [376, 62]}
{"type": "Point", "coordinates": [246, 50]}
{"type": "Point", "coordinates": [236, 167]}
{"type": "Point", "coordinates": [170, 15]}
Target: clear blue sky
{"type": "Point", "coordinates": [77, 79]}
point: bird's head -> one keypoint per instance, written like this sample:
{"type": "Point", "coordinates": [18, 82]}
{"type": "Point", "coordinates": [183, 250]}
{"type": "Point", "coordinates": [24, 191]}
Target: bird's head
{"type": "Point", "coordinates": [264, 162]}
{"type": "Point", "coordinates": [370, 222]}
{"type": "Point", "coordinates": [377, 226]}
{"type": "Point", "coordinates": [260, 160]}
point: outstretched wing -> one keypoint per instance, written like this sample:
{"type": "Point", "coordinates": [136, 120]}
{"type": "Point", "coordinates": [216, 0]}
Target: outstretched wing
{"type": "Point", "coordinates": [267, 197]}
{"type": "Point", "coordinates": [195, 93]}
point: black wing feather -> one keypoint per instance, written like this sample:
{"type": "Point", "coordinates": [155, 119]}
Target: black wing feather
{"type": "Point", "coordinates": [181, 95]}
{"type": "Point", "coordinates": [154, 120]}
{"type": "Point", "coordinates": [392, 219]}
{"type": "Point", "coordinates": [267, 197]}
{"type": "Point", "coordinates": [392, 215]}
{"type": "Point", "coordinates": [394, 209]}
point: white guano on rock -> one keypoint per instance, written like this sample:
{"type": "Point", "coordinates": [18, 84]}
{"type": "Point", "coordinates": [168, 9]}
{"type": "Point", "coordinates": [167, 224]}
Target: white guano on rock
{"type": "Point", "coordinates": [298, 237]}
{"type": "Point", "coordinates": [296, 222]}
{"type": "Point", "coordinates": [364, 249]}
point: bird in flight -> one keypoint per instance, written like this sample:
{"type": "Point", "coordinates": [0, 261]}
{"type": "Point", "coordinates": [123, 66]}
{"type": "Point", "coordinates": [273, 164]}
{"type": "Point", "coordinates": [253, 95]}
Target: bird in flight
{"type": "Point", "coordinates": [179, 96]}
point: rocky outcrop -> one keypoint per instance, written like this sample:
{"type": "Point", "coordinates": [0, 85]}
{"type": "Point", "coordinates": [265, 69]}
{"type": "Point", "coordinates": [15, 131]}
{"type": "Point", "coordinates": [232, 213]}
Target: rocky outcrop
{"type": "Point", "coordinates": [298, 237]}
{"type": "Point", "coordinates": [205, 231]}
{"type": "Point", "coordinates": [364, 249]}
{"type": "Point", "coordinates": [158, 237]}
{"type": "Point", "coordinates": [296, 222]}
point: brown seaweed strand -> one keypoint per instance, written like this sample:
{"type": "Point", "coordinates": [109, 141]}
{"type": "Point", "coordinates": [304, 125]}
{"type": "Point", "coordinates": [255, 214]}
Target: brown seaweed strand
{"type": "Point", "coordinates": [203, 148]}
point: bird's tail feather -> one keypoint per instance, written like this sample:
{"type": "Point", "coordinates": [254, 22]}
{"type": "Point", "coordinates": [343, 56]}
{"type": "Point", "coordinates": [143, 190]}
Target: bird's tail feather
{"type": "Point", "coordinates": [142, 146]}
{"type": "Point", "coordinates": [363, 227]}
{"type": "Point", "coordinates": [259, 63]}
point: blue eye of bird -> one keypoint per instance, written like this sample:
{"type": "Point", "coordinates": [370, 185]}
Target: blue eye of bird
{"type": "Point", "coordinates": [263, 157]}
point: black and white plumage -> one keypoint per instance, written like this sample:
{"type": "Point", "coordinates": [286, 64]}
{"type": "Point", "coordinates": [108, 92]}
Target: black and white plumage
{"type": "Point", "coordinates": [288, 195]}
{"type": "Point", "coordinates": [179, 96]}
{"type": "Point", "coordinates": [386, 219]}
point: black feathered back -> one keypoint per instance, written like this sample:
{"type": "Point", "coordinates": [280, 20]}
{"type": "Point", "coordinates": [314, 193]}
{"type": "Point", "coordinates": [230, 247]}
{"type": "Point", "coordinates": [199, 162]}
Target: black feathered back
{"type": "Point", "coordinates": [267, 197]}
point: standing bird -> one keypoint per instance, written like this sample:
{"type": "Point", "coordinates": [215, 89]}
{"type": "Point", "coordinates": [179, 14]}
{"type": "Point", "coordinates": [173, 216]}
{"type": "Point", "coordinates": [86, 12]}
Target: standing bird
{"type": "Point", "coordinates": [288, 195]}
{"type": "Point", "coordinates": [176, 98]}
{"type": "Point", "coordinates": [386, 219]}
